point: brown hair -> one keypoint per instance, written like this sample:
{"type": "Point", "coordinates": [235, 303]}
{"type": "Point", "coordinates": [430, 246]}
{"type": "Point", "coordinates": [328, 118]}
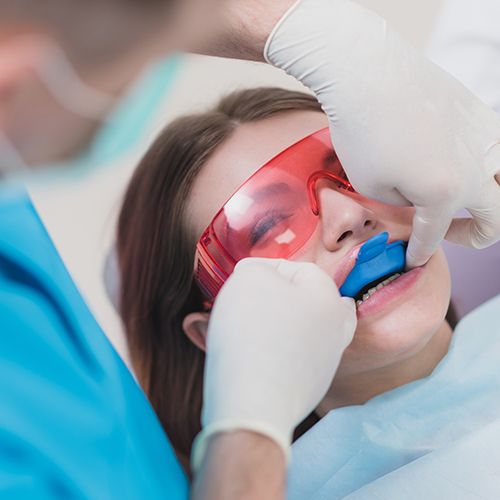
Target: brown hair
{"type": "Point", "coordinates": [156, 255]}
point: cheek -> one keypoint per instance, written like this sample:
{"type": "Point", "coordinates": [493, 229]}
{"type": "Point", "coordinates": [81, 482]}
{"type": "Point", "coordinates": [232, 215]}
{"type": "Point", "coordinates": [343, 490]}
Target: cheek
{"type": "Point", "coordinates": [404, 330]}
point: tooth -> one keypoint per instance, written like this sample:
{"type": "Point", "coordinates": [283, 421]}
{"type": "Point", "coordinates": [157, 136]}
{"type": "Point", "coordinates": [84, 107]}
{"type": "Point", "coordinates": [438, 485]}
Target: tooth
{"type": "Point", "coordinates": [372, 291]}
{"type": "Point", "coordinates": [387, 281]}
{"type": "Point", "coordinates": [379, 286]}
{"type": "Point", "coordinates": [358, 303]}
{"type": "Point", "coordinates": [365, 296]}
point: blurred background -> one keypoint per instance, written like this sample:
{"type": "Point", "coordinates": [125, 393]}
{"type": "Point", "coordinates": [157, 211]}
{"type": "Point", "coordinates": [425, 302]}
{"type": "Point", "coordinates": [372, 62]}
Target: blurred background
{"type": "Point", "coordinates": [84, 233]}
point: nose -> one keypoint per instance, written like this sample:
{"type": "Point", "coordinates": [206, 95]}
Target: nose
{"type": "Point", "coordinates": [344, 220]}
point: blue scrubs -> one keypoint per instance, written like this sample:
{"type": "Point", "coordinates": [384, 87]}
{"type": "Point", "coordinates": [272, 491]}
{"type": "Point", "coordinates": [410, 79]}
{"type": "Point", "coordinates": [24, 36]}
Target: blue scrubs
{"type": "Point", "coordinates": [73, 422]}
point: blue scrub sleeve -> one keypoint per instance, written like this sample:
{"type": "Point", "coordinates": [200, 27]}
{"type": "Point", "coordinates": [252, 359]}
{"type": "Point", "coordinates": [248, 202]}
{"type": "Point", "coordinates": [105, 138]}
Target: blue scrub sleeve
{"type": "Point", "coordinates": [73, 421]}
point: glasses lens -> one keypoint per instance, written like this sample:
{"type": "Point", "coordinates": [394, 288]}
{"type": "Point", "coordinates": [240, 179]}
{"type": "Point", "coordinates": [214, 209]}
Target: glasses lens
{"type": "Point", "coordinates": [272, 214]}
{"type": "Point", "coordinates": [268, 218]}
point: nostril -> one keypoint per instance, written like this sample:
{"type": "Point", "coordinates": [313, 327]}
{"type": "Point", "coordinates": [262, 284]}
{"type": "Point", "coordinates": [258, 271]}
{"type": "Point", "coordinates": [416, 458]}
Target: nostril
{"type": "Point", "coordinates": [344, 235]}
{"type": "Point", "coordinates": [368, 223]}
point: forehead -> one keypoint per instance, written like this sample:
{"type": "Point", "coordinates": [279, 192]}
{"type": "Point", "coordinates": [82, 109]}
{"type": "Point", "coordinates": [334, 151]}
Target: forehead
{"type": "Point", "coordinates": [249, 147]}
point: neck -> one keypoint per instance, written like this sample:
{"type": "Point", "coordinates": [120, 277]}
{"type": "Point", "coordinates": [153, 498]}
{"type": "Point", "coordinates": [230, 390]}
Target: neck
{"type": "Point", "coordinates": [358, 388]}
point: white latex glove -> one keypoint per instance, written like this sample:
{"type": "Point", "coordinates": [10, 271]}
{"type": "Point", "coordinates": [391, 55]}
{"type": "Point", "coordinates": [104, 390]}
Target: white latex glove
{"type": "Point", "coordinates": [405, 130]}
{"type": "Point", "coordinates": [275, 338]}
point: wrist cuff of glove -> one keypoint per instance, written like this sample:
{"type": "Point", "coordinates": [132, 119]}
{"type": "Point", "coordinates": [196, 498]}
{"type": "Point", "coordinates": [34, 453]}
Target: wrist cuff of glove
{"type": "Point", "coordinates": [276, 28]}
{"type": "Point", "coordinates": [200, 443]}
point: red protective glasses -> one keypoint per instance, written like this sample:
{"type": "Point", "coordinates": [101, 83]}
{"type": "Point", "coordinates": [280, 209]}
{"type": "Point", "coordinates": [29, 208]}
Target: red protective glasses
{"type": "Point", "coordinates": [273, 214]}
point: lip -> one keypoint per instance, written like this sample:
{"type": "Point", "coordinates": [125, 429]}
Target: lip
{"type": "Point", "coordinates": [394, 291]}
{"type": "Point", "coordinates": [346, 265]}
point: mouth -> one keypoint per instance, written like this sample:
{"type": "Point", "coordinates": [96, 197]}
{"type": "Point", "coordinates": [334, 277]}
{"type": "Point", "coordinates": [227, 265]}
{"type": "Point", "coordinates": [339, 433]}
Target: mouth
{"type": "Point", "coordinates": [394, 291]}
{"type": "Point", "coordinates": [373, 274]}
{"type": "Point", "coordinates": [346, 265]}
{"type": "Point", "coordinates": [371, 288]}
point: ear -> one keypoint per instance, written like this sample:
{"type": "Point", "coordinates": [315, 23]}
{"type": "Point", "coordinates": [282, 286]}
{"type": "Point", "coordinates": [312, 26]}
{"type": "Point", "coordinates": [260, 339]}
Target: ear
{"type": "Point", "coordinates": [195, 326]}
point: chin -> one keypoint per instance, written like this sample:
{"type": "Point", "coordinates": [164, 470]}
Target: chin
{"type": "Point", "coordinates": [403, 327]}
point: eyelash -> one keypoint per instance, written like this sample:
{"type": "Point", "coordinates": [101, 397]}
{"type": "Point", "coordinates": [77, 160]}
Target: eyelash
{"type": "Point", "coordinates": [264, 225]}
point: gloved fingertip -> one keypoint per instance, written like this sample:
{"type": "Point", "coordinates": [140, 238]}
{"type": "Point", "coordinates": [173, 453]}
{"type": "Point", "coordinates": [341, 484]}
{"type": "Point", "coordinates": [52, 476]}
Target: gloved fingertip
{"type": "Point", "coordinates": [349, 303]}
{"type": "Point", "coordinates": [252, 262]}
{"type": "Point", "coordinates": [415, 257]}
{"type": "Point", "coordinates": [414, 261]}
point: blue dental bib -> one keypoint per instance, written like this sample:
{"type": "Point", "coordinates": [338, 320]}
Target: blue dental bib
{"type": "Point", "coordinates": [375, 260]}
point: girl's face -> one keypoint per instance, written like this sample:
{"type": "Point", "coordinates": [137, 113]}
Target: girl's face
{"type": "Point", "coordinates": [391, 326]}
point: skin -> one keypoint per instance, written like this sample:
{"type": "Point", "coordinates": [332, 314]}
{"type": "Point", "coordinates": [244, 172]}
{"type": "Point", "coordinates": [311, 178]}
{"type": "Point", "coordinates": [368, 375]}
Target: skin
{"type": "Point", "coordinates": [255, 464]}
{"type": "Point", "coordinates": [41, 129]}
{"type": "Point", "coordinates": [243, 29]}
{"type": "Point", "coordinates": [402, 342]}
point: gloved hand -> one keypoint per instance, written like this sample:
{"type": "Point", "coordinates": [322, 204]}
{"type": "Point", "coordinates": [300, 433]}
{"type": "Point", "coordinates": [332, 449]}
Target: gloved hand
{"type": "Point", "coordinates": [275, 338]}
{"type": "Point", "coordinates": [405, 130]}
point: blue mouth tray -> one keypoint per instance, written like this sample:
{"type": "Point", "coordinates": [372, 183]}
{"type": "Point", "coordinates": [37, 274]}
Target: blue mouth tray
{"type": "Point", "coordinates": [375, 260]}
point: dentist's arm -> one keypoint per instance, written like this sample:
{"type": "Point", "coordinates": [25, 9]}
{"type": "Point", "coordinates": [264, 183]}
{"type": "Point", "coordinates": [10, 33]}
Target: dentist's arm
{"type": "Point", "coordinates": [276, 335]}
{"type": "Point", "coordinates": [241, 465]}
{"type": "Point", "coordinates": [405, 130]}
